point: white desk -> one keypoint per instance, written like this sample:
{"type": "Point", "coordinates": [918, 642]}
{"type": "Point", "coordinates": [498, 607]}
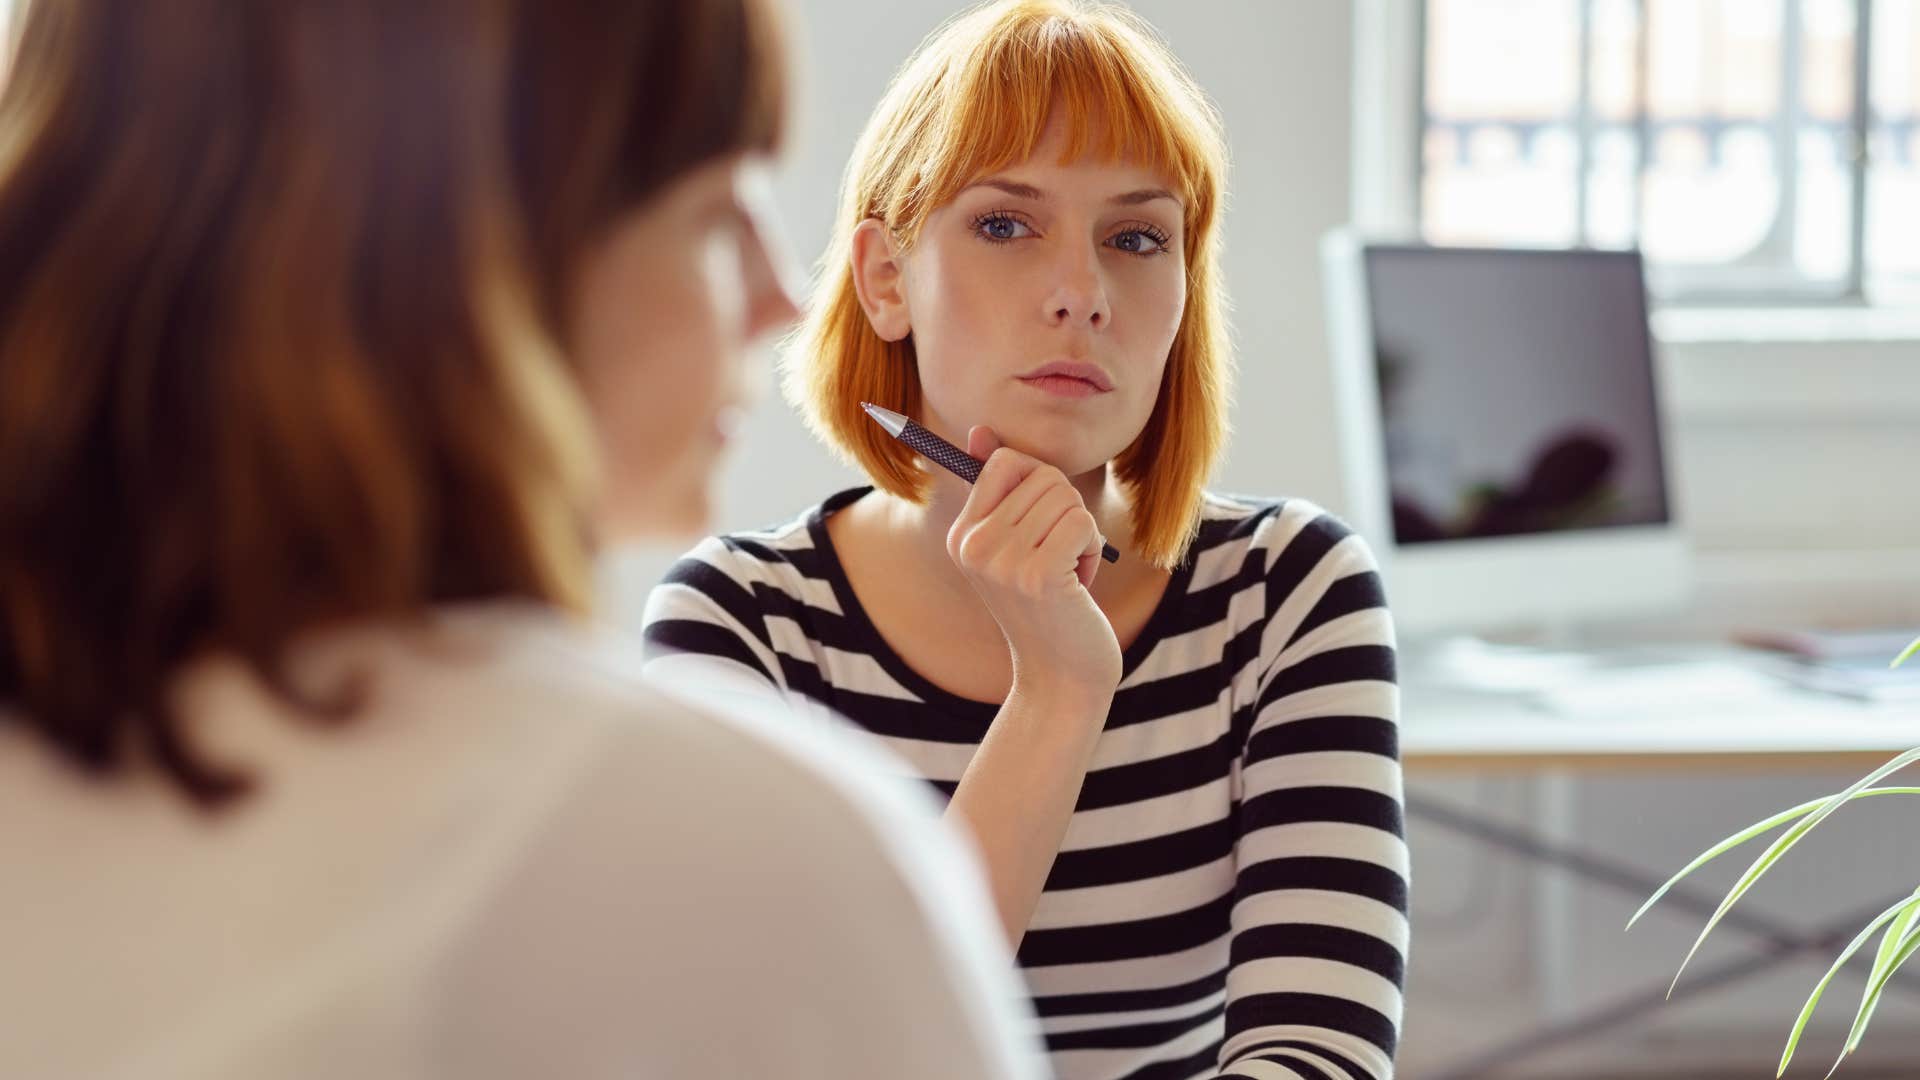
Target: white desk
{"type": "Point", "coordinates": [1723, 711]}
{"type": "Point", "coordinates": [1781, 727]}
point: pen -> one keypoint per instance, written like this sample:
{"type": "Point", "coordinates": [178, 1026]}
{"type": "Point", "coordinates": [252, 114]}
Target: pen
{"type": "Point", "coordinates": [945, 454]}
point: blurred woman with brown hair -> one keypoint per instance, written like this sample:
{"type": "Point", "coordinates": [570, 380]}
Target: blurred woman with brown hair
{"type": "Point", "coordinates": [333, 338]}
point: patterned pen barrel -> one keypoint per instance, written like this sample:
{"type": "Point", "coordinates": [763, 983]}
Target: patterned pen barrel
{"type": "Point", "coordinates": [944, 454]}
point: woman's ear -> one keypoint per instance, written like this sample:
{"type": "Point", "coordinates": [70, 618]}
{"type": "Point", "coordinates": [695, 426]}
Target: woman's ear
{"type": "Point", "coordinates": [878, 280]}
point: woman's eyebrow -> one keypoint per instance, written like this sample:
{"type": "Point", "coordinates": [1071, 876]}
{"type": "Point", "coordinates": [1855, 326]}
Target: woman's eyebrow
{"type": "Point", "coordinates": [1011, 187]}
{"type": "Point", "coordinates": [1144, 195]}
{"type": "Point", "coordinates": [1028, 191]}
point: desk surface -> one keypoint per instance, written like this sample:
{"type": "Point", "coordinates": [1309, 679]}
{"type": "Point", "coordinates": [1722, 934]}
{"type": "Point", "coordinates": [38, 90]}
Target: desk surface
{"type": "Point", "coordinates": [1718, 709]}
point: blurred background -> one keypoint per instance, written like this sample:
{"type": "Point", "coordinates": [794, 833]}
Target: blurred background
{"type": "Point", "coordinates": [1764, 156]}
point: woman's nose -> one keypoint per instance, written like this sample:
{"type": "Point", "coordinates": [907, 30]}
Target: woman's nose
{"type": "Point", "coordinates": [1079, 296]}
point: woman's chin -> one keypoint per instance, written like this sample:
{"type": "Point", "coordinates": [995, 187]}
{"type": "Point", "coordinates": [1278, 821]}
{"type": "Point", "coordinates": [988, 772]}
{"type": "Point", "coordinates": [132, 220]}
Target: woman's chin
{"type": "Point", "coordinates": [1071, 456]}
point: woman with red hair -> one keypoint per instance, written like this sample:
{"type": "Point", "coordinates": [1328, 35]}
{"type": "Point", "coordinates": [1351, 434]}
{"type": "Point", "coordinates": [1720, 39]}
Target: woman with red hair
{"type": "Point", "coordinates": [1180, 768]}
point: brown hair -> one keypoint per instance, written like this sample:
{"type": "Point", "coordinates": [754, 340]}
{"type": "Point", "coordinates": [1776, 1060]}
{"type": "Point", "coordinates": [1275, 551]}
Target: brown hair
{"type": "Point", "coordinates": [279, 345]}
{"type": "Point", "coordinates": [975, 98]}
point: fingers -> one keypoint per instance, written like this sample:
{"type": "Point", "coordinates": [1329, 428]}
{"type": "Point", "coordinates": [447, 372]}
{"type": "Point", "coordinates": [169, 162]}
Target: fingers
{"type": "Point", "coordinates": [1023, 521]}
{"type": "Point", "coordinates": [1054, 503]}
{"type": "Point", "coordinates": [984, 529]}
{"type": "Point", "coordinates": [982, 441]}
{"type": "Point", "coordinates": [1039, 484]}
{"type": "Point", "coordinates": [1056, 541]}
{"type": "Point", "coordinates": [1086, 568]}
{"type": "Point", "coordinates": [1004, 471]}
{"type": "Point", "coordinates": [1073, 538]}
{"type": "Point", "coordinates": [1050, 513]}
{"type": "Point", "coordinates": [999, 489]}
{"type": "Point", "coordinates": [1071, 533]}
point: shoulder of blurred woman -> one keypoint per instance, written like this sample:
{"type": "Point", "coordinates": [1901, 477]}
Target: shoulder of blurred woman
{"type": "Point", "coordinates": [486, 697]}
{"type": "Point", "coordinates": [569, 680]}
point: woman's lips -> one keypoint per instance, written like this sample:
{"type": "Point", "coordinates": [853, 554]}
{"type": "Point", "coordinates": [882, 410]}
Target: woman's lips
{"type": "Point", "coordinates": [1064, 386]}
{"type": "Point", "coordinates": [1069, 378]}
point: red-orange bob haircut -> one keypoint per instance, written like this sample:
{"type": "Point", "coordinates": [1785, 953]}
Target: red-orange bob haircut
{"type": "Point", "coordinates": [974, 99]}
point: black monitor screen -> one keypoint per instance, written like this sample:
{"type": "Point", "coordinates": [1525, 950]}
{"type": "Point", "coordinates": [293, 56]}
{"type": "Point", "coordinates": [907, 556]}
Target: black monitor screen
{"type": "Point", "coordinates": [1517, 391]}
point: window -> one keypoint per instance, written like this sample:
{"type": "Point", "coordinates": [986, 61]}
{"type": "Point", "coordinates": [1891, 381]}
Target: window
{"type": "Point", "coordinates": [1752, 148]}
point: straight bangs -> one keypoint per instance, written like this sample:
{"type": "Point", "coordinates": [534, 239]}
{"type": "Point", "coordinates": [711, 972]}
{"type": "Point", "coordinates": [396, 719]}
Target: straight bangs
{"type": "Point", "coordinates": [1107, 80]}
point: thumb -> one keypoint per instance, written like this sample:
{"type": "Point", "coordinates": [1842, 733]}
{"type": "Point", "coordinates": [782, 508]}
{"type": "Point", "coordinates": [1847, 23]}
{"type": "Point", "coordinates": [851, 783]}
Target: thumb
{"type": "Point", "coordinates": [982, 442]}
{"type": "Point", "coordinates": [1086, 567]}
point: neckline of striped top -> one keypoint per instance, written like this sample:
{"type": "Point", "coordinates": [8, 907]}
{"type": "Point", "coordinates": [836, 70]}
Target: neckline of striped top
{"type": "Point", "coordinates": [891, 662]}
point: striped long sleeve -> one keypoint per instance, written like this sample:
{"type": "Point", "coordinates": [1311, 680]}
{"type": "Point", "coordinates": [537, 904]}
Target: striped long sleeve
{"type": "Point", "coordinates": [1320, 898]}
{"type": "Point", "coordinates": [1230, 896]}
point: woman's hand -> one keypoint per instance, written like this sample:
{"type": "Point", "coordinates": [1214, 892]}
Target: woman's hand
{"type": "Point", "coordinates": [1028, 546]}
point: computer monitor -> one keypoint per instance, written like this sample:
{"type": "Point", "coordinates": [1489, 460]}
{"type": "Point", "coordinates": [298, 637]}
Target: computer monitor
{"type": "Point", "coordinates": [1503, 443]}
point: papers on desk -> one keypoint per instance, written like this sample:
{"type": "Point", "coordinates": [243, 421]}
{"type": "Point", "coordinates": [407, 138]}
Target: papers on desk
{"type": "Point", "coordinates": [1665, 703]}
{"type": "Point", "coordinates": [1864, 680]}
{"type": "Point", "coordinates": [1844, 645]}
{"type": "Point", "coordinates": [1850, 663]}
{"type": "Point", "coordinates": [1714, 686]}
{"type": "Point", "coordinates": [1649, 687]}
{"type": "Point", "coordinates": [1663, 689]}
{"type": "Point", "coordinates": [1480, 667]}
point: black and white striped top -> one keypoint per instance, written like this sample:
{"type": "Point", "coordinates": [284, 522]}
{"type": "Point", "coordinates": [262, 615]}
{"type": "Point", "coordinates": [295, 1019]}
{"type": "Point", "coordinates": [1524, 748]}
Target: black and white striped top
{"type": "Point", "coordinates": [1231, 896]}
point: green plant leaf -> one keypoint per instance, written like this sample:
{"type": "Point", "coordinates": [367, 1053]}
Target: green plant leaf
{"type": "Point", "coordinates": [1782, 845]}
{"type": "Point", "coordinates": [1907, 655]}
{"type": "Point", "coordinates": [1909, 945]}
{"type": "Point", "coordinates": [1884, 960]}
{"type": "Point", "coordinates": [1903, 950]}
{"type": "Point", "coordinates": [1893, 914]}
{"type": "Point", "coordinates": [1752, 831]}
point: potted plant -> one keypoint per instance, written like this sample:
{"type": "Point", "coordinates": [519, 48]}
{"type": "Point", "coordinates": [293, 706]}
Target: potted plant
{"type": "Point", "coordinates": [1898, 926]}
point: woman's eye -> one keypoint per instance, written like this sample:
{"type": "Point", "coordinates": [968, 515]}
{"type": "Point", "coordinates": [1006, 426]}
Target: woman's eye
{"type": "Point", "coordinates": [1139, 242]}
{"type": "Point", "coordinates": [1000, 228]}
